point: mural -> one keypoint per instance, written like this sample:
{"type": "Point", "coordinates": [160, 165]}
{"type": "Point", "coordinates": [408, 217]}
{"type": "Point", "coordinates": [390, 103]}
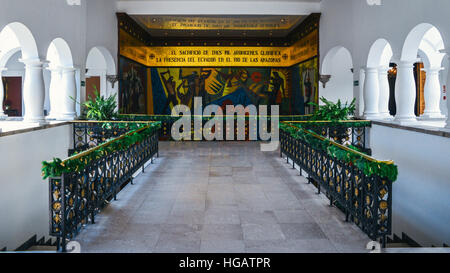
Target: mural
{"type": "Point", "coordinates": [133, 87]}
{"type": "Point", "coordinates": [220, 86]}
{"type": "Point", "coordinates": [305, 86]}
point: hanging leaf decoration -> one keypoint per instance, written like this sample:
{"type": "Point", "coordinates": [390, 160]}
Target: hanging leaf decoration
{"type": "Point", "coordinates": [57, 167]}
{"type": "Point", "coordinates": [369, 168]}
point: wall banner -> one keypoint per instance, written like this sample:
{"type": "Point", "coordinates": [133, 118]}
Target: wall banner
{"type": "Point", "coordinates": [219, 56]}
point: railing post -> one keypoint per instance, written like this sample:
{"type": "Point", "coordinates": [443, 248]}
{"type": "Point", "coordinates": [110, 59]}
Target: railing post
{"type": "Point", "coordinates": [64, 216]}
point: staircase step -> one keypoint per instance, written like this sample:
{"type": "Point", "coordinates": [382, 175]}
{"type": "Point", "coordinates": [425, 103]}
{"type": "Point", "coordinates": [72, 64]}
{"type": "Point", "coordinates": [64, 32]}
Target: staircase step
{"type": "Point", "coordinates": [41, 248]}
{"type": "Point", "coordinates": [398, 245]}
{"type": "Point", "coordinates": [49, 242]}
{"type": "Point", "coordinates": [416, 250]}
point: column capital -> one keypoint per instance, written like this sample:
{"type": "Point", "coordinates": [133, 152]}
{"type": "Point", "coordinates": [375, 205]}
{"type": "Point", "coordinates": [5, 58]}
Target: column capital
{"type": "Point", "coordinates": [66, 69]}
{"type": "Point", "coordinates": [35, 63]}
{"type": "Point", "coordinates": [432, 69]}
{"type": "Point", "coordinates": [407, 63]}
{"type": "Point", "coordinates": [372, 70]}
{"type": "Point", "coordinates": [53, 68]}
{"type": "Point", "coordinates": [383, 69]}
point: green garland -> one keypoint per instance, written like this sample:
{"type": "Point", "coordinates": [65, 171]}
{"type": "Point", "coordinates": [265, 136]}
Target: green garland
{"type": "Point", "coordinates": [168, 118]}
{"type": "Point", "coordinates": [306, 118]}
{"type": "Point", "coordinates": [369, 168]}
{"type": "Point", "coordinates": [57, 167]}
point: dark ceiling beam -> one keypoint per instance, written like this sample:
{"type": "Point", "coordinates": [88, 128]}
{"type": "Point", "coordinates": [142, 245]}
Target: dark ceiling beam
{"type": "Point", "coordinates": [128, 24]}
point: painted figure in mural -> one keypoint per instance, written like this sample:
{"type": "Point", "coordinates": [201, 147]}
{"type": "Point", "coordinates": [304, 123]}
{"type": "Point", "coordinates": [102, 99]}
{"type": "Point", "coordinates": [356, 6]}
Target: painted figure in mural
{"type": "Point", "coordinates": [226, 77]}
{"type": "Point", "coordinates": [204, 75]}
{"type": "Point", "coordinates": [135, 90]}
{"type": "Point", "coordinates": [170, 86]}
{"type": "Point", "coordinates": [190, 82]}
{"type": "Point", "coordinates": [277, 83]}
{"type": "Point", "coordinates": [308, 88]}
{"type": "Point", "coordinates": [183, 96]}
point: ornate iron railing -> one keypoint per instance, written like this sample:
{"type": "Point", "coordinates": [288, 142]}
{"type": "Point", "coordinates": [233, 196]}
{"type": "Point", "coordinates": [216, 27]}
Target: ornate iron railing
{"type": "Point", "coordinates": [348, 132]}
{"type": "Point", "coordinates": [366, 200]}
{"type": "Point", "coordinates": [76, 197]}
{"type": "Point", "coordinates": [88, 134]}
{"type": "Point", "coordinates": [168, 121]}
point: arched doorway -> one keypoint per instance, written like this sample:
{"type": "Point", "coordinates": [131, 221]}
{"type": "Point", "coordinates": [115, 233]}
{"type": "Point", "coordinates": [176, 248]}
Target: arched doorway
{"type": "Point", "coordinates": [338, 64]}
{"type": "Point", "coordinates": [376, 83]}
{"type": "Point", "coordinates": [101, 72]}
{"type": "Point", "coordinates": [62, 90]}
{"type": "Point", "coordinates": [423, 41]}
{"type": "Point", "coordinates": [16, 37]}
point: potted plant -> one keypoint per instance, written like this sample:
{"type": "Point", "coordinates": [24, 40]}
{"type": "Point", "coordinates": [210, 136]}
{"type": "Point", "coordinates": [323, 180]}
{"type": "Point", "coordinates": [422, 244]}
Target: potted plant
{"type": "Point", "coordinates": [100, 108]}
{"type": "Point", "coordinates": [333, 112]}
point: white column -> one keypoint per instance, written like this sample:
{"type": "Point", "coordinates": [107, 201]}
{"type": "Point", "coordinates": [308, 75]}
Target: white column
{"type": "Point", "coordinates": [69, 94]}
{"type": "Point", "coordinates": [33, 91]}
{"type": "Point", "coordinates": [109, 89]}
{"type": "Point", "coordinates": [371, 93]}
{"type": "Point", "coordinates": [432, 94]}
{"type": "Point", "coordinates": [383, 103]}
{"type": "Point", "coordinates": [103, 89]}
{"type": "Point", "coordinates": [55, 92]}
{"type": "Point", "coordinates": [405, 93]}
{"type": "Point", "coordinates": [362, 76]}
{"type": "Point", "coordinates": [2, 95]}
{"type": "Point", "coordinates": [448, 107]}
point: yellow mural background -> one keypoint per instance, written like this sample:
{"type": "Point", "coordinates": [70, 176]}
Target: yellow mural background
{"type": "Point", "coordinates": [219, 56]}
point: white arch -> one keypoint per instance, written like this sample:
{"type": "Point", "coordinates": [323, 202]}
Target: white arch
{"type": "Point", "coordinates": [59, 53]}
{"type": "Point", "coordinates": [425, 37]}
{"type": "Point", "coordinates": [16, 37]}
{"type": "Point", "coordinates": [339, 64]}
{"type": "Point", "coordinates": [380, 54]}
{"type": "Point", "coordinates": [100, 58]}
{"type": "Point", "coordinates": [376, 85]}
{"type": "Point", "coordinates": [425, 41]}
{"type": "Point", "coordinates": [62, 81]}
{"type": "Point", "coordinates": [101, 63]}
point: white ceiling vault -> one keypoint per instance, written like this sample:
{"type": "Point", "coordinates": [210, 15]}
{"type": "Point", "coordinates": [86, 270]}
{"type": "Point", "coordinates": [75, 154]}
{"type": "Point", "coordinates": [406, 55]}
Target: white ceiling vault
{"type": "Point", "coordinates": [219, 7]}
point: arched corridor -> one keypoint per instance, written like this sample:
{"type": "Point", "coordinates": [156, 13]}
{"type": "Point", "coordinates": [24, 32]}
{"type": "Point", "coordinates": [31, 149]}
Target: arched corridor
{"type": "Point", "coordinates": [376, 83]}
{"type": "Point", "coordinates": [62, 89]}
{"type": "Point", "coordinates": [426, 41]}
{"type": "Point", "coordinates": [17, 37]}
{"type": "Point", "coordinates": [100, 64]}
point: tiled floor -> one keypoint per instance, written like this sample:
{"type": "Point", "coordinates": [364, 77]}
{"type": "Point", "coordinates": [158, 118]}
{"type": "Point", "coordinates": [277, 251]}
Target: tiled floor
{"type": "Point", "coordinates": [220, 197]}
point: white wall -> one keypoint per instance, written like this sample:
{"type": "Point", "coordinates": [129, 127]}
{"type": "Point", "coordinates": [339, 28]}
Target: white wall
{"type": "Point", "coordinates": [421, 195]}
{"type": "Point", "coordinates": [102, 31]}
{"type": "Point", "coordinates": [24, 195]}
{"type": "Point", "coordinates": [220, 7]}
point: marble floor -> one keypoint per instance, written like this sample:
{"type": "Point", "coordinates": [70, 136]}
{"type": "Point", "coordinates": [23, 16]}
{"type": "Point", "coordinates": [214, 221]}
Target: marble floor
{"type": "Point", "coordinates": [220, 197]}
